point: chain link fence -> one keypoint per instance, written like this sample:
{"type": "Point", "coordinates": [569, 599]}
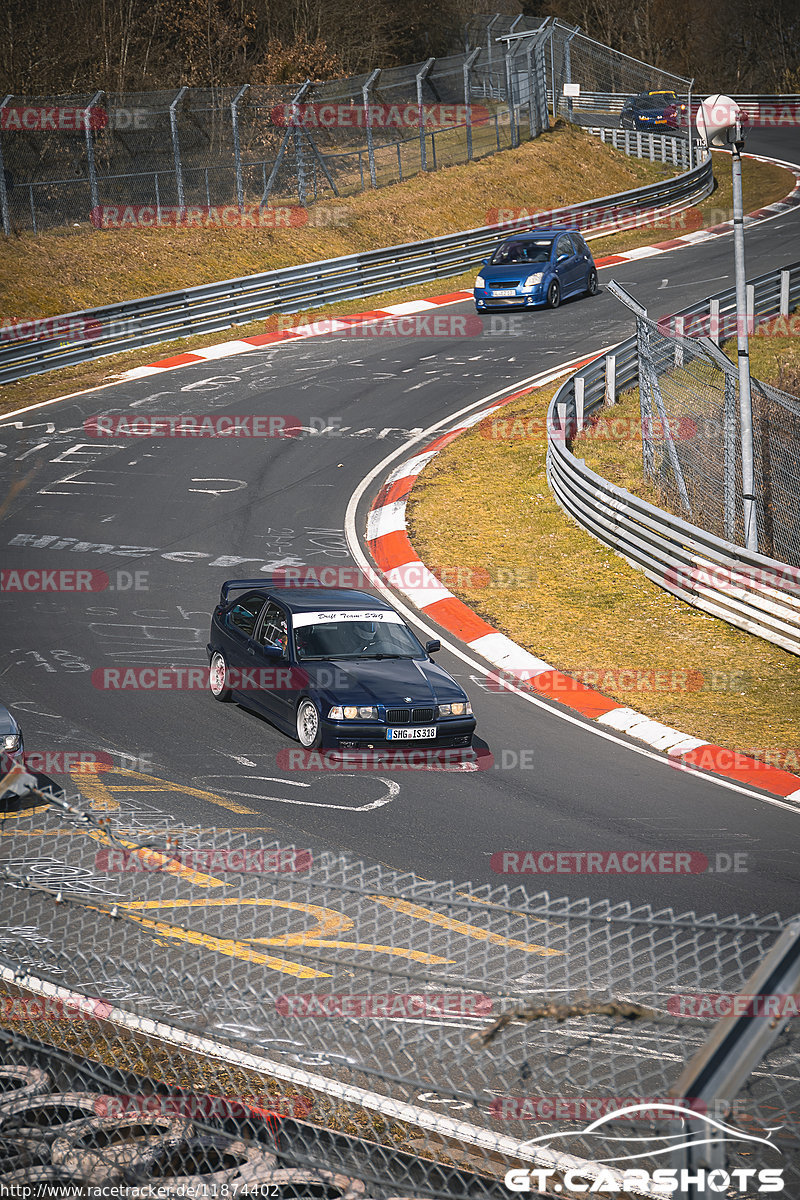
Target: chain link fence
{"type": "Point", "coordinates": [144, 158]}
{"type": "Point", "coordinates": [691, 437]}
{"type": "Point", "coordinates": [193, 1006]}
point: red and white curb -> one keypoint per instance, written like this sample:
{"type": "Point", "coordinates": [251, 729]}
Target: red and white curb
{"type": "Point", "coordinates": [333, 325]}
{"type": "Point", "coordinates": [388, 543]}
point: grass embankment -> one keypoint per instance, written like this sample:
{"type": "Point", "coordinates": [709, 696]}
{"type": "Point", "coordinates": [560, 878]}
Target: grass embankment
{"type": "Point", "coordinates": [582, 608]}
{"type": "Point", "coordinates": [64, 271]}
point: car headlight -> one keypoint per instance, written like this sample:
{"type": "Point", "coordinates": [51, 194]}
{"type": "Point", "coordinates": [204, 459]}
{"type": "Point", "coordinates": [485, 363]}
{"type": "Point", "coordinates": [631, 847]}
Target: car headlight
{"type": "Point", "coordinates": [353, 712]}
{"type": "Point", "coordinates": [11, 742]}
{"type": "Point", "coordinates": [536, 277]}
{"type": "Point", "coordinates": [479, 282]}
{"type": "Point", "coordinates": [461, 708]}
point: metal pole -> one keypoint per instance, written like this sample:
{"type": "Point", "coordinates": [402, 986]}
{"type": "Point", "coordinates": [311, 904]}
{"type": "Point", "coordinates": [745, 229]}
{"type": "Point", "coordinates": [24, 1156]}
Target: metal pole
{"type": "Point", "coordinates": [553, 73]}
{"type": "Point", "coordinates": [467, 102]}
{"type": "Point", "coordinates": [373, 177]}
{"type": "Point", "coordinates": [489, 25]}
{"type": "Point", "coordinates": [689, 123]}
{"type": "Point", "coordinates": [176, 149]}
{"type": "Point", "coordinates": [237, 157]}
{"type": "Point", "coordinates": [743, 355]}
{"type": "Point", "coordinates": [729, 455]}
{"type": "Point", "coordinates": [3, 192]}
{"type": "Point", "coordinates": [422, 75]}
{"type": "Point", "coordinates": [568, 71]}
{"type": "Point", "coordinates": [507, 52]}
{"type": "Point", "coordinates": [95, 201]}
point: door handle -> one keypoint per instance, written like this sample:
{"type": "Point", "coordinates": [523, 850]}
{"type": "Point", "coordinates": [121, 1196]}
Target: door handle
{"type": "Point", "coordinates": [251, 650]}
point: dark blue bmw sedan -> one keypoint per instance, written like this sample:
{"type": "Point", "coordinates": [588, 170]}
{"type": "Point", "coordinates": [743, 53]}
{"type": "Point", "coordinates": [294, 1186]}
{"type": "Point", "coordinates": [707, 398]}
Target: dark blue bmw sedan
{"type": "Point", "coordinates": [542, 266]}
{"type": "Point", "coordinates": [333, 667]}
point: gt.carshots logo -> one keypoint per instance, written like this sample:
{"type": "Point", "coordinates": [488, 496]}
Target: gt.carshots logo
{"type": "Point", "coordinates": [594, 1178]}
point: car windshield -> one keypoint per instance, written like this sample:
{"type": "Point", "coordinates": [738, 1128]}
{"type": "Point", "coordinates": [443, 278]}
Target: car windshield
{"type": "Point", "coordinates": [383, 637]}
{"type": "Point", "coordinates": [522, 252]}
{"type": "Point", "coordinates": [654, 102]}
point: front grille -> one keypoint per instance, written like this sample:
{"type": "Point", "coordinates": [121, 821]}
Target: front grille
{"type": "Point", "coordinates": [499, 301]}
{"type": "Point", "coordinates": [409, 716]}
{"type": "Point", "coordinates": [505, 283]}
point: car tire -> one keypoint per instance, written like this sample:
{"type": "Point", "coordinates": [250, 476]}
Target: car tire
{"type": "Point", "coordinates": [218, 678]}
{"type": "Point", "coordinates": [591, 285]}
{"type": "Point", "coordinates": [553, 294]}
{"type": "Point", "coordinates": [309, 725]}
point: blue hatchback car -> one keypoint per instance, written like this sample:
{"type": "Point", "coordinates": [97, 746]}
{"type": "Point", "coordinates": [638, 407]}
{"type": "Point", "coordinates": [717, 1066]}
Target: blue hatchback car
{"type": "Point", "coordinates": [542, 266]}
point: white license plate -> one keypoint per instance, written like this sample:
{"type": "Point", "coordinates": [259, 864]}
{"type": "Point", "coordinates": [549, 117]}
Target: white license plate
{"type": "Point", "coordinates": [504, 291]}
{"type": "Point", "coordinates": [413, 734]}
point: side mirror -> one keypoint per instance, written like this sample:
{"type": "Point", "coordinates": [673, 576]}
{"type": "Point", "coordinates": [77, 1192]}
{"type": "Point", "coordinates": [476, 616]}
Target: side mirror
{"type": "Point", "coordinates": [562, 258]}
{"type": "Point", "coordinates": [485, 262]}
{"type": "Point", "coordinates": [273, 651]}
{"type": "Point", "coordinates": [432, 646]}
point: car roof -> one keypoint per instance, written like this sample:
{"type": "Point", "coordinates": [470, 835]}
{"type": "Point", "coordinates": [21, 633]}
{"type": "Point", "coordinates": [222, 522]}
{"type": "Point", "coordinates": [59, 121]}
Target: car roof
{"type": "Point", "coordinates": [538, 234]}
{"type": "Point", "coordinates": [322, 599]}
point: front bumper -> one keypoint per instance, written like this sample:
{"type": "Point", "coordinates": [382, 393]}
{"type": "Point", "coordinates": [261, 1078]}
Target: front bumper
{"type": "Point", "coordinates": [484, 300]}
{"type": "Point", "coordinates": [371, 735]}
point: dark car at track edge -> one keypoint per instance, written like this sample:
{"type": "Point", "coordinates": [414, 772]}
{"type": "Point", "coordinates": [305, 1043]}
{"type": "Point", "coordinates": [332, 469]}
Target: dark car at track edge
{"type": "Point", "coordinates": [334, 668]}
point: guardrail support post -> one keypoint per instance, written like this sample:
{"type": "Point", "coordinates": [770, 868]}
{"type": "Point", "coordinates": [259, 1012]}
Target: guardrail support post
{"type": "Point", "coordinates": [422, 75]}
{"type": "Point", "coordinates": [237, 157]}
{"type": "Point", "coordinates": [783, 307]}
{"type": "Point", "coordinates": [176, 146]}
{"type": "Point", "coordinates": [3, 192]}
{"type": "Point", "coordinates": [678, 342]}
{"type": "Point", "coordinates": [95, 201]}
{"type": "Point", "coordinates": [467, 99]}
{"type": "Point", "coordinates": [611, 380]}
{"type": "Point", "coordinates": [365, 91]}
{"type": "Point", "coordinates": [580, 390]}
{"type": "Point", "coordinates": [713, 319]}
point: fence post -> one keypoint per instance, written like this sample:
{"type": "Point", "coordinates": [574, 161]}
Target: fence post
{"type": "Point", "coordinates": [611, 380]}
{"type": "Point", "coordinates": [729, 456]}
{"type": "Point", "coordinates": [467, 104]}
{"type": "Point", "coordinates": [689, 123]}
{"type": "Point", "coordinates": [489, 25]}
{"type": "Point", "coordinates": [176, 147]}
{"type": "Point", "coordinates": [87, 120]}
{"type": "Point", "coordinates": [365, 91]}
{"type": "Point", "coordinates": [568, 69]}
{"type": "Point", "coordinates": [784, 300]}
{"type": "Point", "coordinates": [507, 55]}
{"type": "Point", "coordinates": [237, 156]}
{"type": "Point", "coordinates": [3, 192]}
{"type": "Point", "coordinates": [422, 75]}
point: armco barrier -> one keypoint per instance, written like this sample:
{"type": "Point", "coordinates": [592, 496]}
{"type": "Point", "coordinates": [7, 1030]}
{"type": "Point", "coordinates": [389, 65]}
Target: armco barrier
{"type": "Point", "coordinates": [117, 327]}
{"type": "Point", "coordinates": [708, 572]}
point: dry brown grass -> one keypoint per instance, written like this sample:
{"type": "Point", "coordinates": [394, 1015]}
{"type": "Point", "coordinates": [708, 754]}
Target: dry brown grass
{"type": "Point", "coordinates": [583, 608]}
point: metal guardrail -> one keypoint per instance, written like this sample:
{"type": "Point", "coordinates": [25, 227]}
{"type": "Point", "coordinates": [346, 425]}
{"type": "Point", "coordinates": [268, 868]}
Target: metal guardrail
{"type": "Point", "coordinates": [751, 591]}
{"type": "Point", "coordinates": [113, 328]}
{"type": "Point", "coordinates": [612, 102]}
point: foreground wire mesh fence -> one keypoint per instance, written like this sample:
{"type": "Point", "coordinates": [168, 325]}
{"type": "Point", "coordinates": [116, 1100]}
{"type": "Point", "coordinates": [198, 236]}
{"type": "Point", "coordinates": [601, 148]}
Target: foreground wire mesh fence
{"type": "Point", "coordinates": [691, 438]}
{"type": "Point", "coordinates": [197, 1004]}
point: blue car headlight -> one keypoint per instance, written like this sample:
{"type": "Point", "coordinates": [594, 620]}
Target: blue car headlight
{"type": "Point", "coordinates": [461, 708]}
{"type": "Point", "coordinates": [534, 279]}
{"type": "Point", "coordinates": [353, 712]}
{"type": "Point", "coordinates": [480, 282]}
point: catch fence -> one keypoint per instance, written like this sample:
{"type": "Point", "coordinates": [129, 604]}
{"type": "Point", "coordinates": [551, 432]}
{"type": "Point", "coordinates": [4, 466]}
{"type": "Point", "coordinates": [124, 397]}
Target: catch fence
{"type": "Point", "coordinates": [184, 1004]}
{"type": "Point", "coordinates": [66, 160]}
